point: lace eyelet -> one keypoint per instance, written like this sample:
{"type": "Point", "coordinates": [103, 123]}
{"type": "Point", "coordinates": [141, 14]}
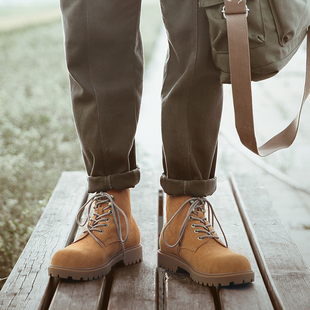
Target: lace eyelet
{"type": "Point", "coordinates": [193, 225]}
{"type": "Point", "coordinates": [196, 231]}
{"type": "Point", "coordinates": [101, 232]}
{"type": "Point", "coordinates": [190, 218]}
{"type": "Point", "coordinates": [107, 219]}
{"type": "Point", "coordinates": [199, 238]}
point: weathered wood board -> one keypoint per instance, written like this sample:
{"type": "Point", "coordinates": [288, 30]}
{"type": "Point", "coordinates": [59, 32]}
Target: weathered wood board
{"type": "Point", "coordinates": [143, 285]}
{"type": "Point", "coordinates": [29, 286]}
{"type": "Point", "coordinates": [79, 295]}
{"type": "Point", "coordinates": [285, 272]}
{"type": "Point", "coordinates": [134, 287]}
{"type": "Point", "coordinates": [248, 296]}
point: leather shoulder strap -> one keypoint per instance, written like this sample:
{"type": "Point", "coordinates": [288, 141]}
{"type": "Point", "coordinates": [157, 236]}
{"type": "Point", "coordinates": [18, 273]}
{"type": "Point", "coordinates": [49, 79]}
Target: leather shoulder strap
{"type": "Point", "coordinates": [240, 74]}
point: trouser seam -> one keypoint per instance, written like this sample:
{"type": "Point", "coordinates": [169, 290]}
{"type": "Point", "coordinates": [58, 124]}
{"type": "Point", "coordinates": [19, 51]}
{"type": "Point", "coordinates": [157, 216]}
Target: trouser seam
{"type": "Point", "coordinates": [109, 181]}
{"type": "Point", "coordinates": [195, 21]}
{"type": "Point", "coordinates": [135, 70]}
{"type": "Point", "coordinates": [92, 84]}
{"type": "Point", "coordinates": [185, 187]}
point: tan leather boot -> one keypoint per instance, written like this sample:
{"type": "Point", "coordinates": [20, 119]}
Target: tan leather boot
{"type": "Point", "coordinates": [189, 241]}
{"type": "Point", "coordinates": [110, 235]}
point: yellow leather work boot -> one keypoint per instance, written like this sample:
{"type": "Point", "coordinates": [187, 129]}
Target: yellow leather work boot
{"type": "Point", "coordinates": [189, 241]}
{"type": "Point", "coordinates": [110, 235]}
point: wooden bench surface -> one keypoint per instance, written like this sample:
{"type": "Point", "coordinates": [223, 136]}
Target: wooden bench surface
{"type": "Point", "coordinates": [282, 278]}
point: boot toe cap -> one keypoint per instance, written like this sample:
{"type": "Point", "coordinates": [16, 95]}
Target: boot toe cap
{"type": "Point", "coordinates": [231, 263]}
{"type": "Point", "coordinates": [70, 258]}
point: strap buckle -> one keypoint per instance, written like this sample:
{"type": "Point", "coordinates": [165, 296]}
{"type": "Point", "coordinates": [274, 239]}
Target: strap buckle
{"type": "Point", "coordinates": [246, 11]}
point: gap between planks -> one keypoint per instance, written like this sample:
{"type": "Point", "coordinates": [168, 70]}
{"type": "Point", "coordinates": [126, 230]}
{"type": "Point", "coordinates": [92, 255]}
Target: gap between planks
{"type": "Point", "coordinates": [283, 269]}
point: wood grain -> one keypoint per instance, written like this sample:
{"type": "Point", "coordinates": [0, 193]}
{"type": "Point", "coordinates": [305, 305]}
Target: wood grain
{"type": "Point", "coordinates": [181, 292]}
{"type": "Point", "coordinates": [285, 272]}
{"type": "Point", "coordinates": [29, 280]}
{"type": "Point", "coordinates": [79, 295]}
{"type": "Point", "coordinates": [247, 296]}
{"type": "Point", "coordinates": [134, 286]}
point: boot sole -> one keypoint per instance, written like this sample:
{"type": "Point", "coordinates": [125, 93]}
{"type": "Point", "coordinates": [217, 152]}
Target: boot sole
{"type": "Point", "coordinates": [172, 262]}
{"type": "Point", "coordinates": [133, 255]}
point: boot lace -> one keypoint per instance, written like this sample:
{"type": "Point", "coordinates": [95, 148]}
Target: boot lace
{"type": "Point", "coordinates": [204, 226]}
{"type": "Point", "coordinates": [96, 224]}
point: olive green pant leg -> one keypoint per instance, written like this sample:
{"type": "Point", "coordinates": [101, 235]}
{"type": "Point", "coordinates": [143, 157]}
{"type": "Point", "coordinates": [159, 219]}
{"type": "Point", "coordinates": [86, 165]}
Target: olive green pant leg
{"type": "Point", "coordinates": [105, 63]}
{"type": "Point", "coordinates": [191, 102]}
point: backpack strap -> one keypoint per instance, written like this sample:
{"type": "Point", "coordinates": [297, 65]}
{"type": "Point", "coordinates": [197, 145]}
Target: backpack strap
{"type": "Point", "coordinates": [240, 74]}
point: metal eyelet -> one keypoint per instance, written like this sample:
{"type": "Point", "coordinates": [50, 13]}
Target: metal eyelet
{"type": "Point", "coordinates": [193, 225]}
{"type": "Point", "coordinates": [109, 204]}
{"type": "Point", "coordinates": [196, 231]}
{"type": "Point", "coordinates": [101, 232]}
{"type": "Point", "coordinates": [107, 219]}
{"type": "Point", "coordinates": [190, 218]}
{"type": "Point", "coordinates": [199, 238]}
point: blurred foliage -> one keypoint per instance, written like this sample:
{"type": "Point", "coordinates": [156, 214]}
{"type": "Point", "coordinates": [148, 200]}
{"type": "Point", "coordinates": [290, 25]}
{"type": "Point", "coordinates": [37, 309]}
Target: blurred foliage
{"type": "Point", "coordinates": [37, 134]}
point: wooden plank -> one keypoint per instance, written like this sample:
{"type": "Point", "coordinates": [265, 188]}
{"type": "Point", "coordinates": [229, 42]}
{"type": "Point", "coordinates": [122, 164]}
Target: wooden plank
{"type": "Point", "coordinates": [79, 295]}
{"type": "Point", "coordinates": [286, 275]}
{"type": "Point", "coordinates": [133, 286]}
{"type": "Point", "coordinates": [181, 293]}
{"type": "Point", "coordinates": [29, 280]}
{"type": "Point", "coordinates": [253, 296]}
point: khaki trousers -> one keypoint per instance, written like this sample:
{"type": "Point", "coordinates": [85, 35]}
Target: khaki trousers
{"type": "Point", "coordinates": [105, 62]}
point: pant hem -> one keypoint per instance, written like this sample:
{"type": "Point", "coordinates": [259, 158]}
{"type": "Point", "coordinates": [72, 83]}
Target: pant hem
{"type": "Point", "coordinates": [118, 181]}
{"type": "Point", "coordinates": [196, 188]}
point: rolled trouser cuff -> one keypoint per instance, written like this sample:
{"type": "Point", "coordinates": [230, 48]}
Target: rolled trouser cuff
{"type": "Point", "coordinates": [118, 181]}
{"type": "Point", "coordinates": [196, 188]}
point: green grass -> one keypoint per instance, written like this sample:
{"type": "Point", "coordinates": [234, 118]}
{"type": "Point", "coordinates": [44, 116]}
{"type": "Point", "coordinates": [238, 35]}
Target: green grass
{"type": "Point", "coordinates": [23, 10]}
{"type": "Point", "coordinates": [37, 134]}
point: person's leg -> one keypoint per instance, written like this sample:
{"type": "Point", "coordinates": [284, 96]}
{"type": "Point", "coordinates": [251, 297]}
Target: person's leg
{"type": "Point", "coordinates": [192, 103]}
{"type": "Point", "coordinates": [105, 62]}
{"type": "Point", "coordinates": [191, 113]}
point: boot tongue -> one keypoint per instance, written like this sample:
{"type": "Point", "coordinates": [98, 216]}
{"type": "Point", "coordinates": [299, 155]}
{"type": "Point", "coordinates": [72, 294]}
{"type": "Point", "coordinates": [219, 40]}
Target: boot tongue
{"type": "Point", "coordinates": [173, 205]}
{"type": "Point", "coordinates": [192, 209]}
{"type": "Point", "coordinates": [200, 214]}
{"type": "Point", "coordinates": [103, 205]}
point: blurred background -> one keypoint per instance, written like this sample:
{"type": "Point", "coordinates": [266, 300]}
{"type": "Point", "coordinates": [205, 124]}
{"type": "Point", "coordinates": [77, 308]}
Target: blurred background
{"type": "Point", "coordinates": [38, 139]}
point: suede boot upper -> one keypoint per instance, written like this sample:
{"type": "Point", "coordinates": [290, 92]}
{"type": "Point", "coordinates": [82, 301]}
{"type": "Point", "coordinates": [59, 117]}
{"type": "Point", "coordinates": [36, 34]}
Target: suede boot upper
{"type": "Point", "coordinates": [189, 237]}
{"type": "Point", "coordinates": [109, 230]}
